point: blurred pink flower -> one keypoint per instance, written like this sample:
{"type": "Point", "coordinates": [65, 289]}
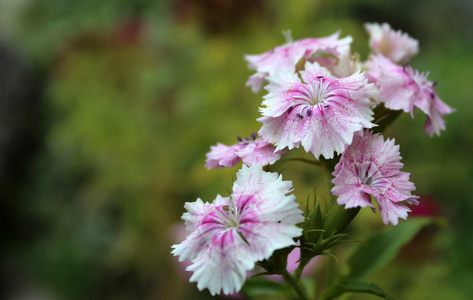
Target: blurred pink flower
{"type": "Point", "coordinates": [371, 167]}
{"type": "Point", "coordinates": [427, 207]}
{"type": "Point", "coordinates": [251, 150]}
{"type": "Point", "coordinates": [404, 88]}
{"type": "Point", "coordinates": [227, 237]}
{"type": "Point", "coordinates": [284, 58]}
{"type": "Point", "coordinates": [396, 45]}
{"type": "Point", "coordinates": [321, 113]}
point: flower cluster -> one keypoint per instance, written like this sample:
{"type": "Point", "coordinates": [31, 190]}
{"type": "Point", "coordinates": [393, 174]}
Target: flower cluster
{"type": "Point", "coordinates": [320, 98]}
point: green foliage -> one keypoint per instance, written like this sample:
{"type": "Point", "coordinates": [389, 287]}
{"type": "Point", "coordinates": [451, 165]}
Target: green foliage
{"type": "Point", "coordinates": [380, 249]}
{"type": "Point", "coordinates": [276, 264]}
{"type": "Point", "coordinates": [383, 247]}
{"type": "Point", "coordinates": [259, 287]}
{"type": "Point", "coordinates": [354, 286]}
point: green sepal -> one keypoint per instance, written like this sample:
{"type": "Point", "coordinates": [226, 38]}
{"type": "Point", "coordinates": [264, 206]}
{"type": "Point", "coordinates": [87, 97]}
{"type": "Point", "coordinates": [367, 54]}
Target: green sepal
{"type": "Point", "coordinates": [277, 263]}
{"type": "Point", "coordinates": [322, 230]}
{"type": "Point", "coordinates": [383, 117]}
{"type": "Point", "coordinates": [313, 225]}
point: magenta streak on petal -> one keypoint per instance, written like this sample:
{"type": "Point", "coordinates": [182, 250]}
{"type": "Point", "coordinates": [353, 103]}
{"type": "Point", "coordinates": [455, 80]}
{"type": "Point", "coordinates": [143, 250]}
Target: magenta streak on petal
{"type": "Point", "coordinates": [249, 216]}
{"type": "Point", "coordinates": [211, 223]}
{"type": "Point", "coordinates": [222, 239]}
{"type": "Point", "coordinates": [242, 203]}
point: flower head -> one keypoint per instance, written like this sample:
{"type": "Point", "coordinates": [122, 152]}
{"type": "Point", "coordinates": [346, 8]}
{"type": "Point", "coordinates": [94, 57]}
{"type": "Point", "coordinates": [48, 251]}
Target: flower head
{"type": "Point", "coordinates": [321, 113]}
{"type": "Point", "coordinates": [404, 88]}
{"type": "Point", "coordinates": [284, 58]}
{"type": "Point", "coordinates": [251, 150]}
{"type": "Point", "coordinates": [396, 45]}
{"type": "Point", "coordinates": [227, 237]}
{"type": "Point", "coordinates": [369, 167]}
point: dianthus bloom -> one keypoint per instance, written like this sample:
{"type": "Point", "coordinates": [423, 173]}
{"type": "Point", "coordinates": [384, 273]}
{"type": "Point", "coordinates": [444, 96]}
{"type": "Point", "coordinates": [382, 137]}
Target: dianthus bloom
{"type": "Point", "coordinates": [251, 150]}
{"type": "Point", "coordinates": [404, 88]}
{"type": "Point", "coordinates": [369, 167]}
{"type": "Point", "coordinates": [284, 58]}
{"type": "Point", "coordinates": [321, 113]}
{"type": "Point", "coordinates": [396, 45]}
{"type": "Point", "coordinates": [227, 237]}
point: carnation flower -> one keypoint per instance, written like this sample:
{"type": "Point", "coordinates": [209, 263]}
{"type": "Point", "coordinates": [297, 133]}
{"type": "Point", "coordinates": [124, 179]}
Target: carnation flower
{"type": "Point", "coordinates": [284, 58]}
{"type": "Point", "coordinates": [321, 113]}
{"type": "Point", "coordinates": [404, 88]}
{"type": "Point", "coordinates": [227, 237]}
{"type": "Point", "coordinates": [396, 45]}
{"type": "Point", "coordinates": [369, 167]}
{"type": "Point", "coordinates": [251, 150]}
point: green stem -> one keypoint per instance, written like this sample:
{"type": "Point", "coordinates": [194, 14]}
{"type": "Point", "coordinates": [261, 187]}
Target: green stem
{"type": "Point", "coordinates": [300, 268]}
{"type": "Point", "coordinates": [295, 284]}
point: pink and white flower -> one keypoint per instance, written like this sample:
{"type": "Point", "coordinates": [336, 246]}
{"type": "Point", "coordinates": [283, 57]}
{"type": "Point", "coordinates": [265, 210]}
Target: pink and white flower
{"type": "Point", "coordinates": [404, 88]}
{"type": "Point", "coordinates": [284, 58]}
{"type": "Point", "coordinates": [370, 167]}
{"type": "Point", "coordinates": [396, 45]}
{"type": "Point", "coordinates": [321, 113]}
{"type": "Point", "coordinates": [227, 237]}
{"type": "Point", "coordinates": [251, 150]}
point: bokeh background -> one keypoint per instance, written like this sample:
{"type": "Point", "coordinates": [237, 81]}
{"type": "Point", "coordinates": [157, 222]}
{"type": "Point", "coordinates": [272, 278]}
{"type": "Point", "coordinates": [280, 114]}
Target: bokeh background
{"type": "Point", "coordinates": [109, 106]}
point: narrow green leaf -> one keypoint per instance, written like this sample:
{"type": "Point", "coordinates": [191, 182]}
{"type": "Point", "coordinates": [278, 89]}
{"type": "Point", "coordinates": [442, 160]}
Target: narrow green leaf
{"type": "Point", "coordinates": [354, 286]}
{"type": "Point", "coordinates": [263, 287]}
{"type": "Point", "coordinates": [308, 284]}
{"type": "Point", "coordinates": [383, 247]}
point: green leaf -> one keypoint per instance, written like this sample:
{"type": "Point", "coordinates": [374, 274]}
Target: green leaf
{"type": "Point", "coordinates": [383, 247]}
{"type": "Point", "coordinates": [263, 287]}
{"type": "Point", "coordinates": [354, 286]}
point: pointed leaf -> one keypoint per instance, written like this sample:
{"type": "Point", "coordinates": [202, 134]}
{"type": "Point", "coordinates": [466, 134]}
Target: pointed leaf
{"type": "Point", "coordinates": [263, 287]}
{"type": "Point", "coordinates": [383, 247]}
{"type": "Point", "coordinates": [354, 286]}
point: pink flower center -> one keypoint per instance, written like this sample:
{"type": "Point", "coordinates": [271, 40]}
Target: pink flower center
{"type": "Point", "coordinates": [230, 218]}
{"type": "Point", "coordinates": [315, 93]}
{"type": "Point", "coordinates": [231, 215]}
{"type": "Point", "coordinates": [370, 175]}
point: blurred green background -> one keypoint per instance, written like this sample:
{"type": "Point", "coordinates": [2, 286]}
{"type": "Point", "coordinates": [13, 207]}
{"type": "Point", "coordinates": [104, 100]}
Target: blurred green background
{"type": "Point", "coordinates": [109, 108]}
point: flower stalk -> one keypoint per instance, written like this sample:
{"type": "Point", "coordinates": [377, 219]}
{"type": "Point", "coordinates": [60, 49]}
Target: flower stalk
{"type": "Point", "coordinates": [296, 284]}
